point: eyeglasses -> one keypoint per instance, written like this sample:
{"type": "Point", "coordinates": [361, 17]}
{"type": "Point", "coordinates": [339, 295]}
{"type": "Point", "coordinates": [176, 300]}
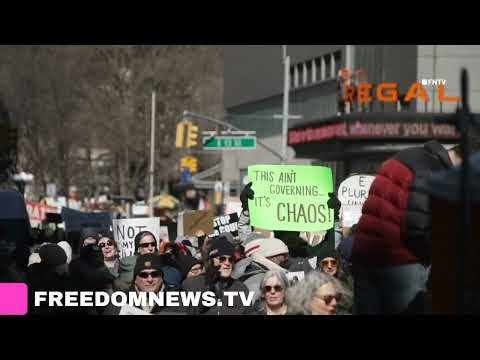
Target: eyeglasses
{"type": "Point", "coordinates": [153, 274]}
{"type": "Point", "coordinates": [223, 259]}
{"type": "Point", "coordinates": [146, 245]}
{"type": "Point", "coordinates": [329, 262]}
{"type": "Point", "coordinates": [103, 244]}
{"type": "Point", "coordinates": [329, 298]}
{"type": "Point", "coordinates": [277, 288]}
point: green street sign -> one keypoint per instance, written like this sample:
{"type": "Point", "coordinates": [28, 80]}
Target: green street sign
{"type": "Point", "coordinates": [229, 142]}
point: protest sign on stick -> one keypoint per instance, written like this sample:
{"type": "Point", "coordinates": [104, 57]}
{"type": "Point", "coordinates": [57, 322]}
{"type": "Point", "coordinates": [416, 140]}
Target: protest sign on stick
{"type": "Point", "coordinates": [291, 197]}
{"type": "Point", "coordinates": [125, 230]}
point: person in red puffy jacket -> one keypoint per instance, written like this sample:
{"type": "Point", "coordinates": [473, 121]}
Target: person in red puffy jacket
{"type": "Point", "coordinates": [391, 248]}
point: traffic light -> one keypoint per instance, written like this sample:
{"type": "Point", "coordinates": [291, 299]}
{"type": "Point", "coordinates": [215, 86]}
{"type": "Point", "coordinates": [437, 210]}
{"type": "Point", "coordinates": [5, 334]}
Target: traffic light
{"type": "Point", "coordinates": [180, 135]}
{"type": "Point", "coordinates": [190, 163]}
{"type": "Point", "coordinates": [192, 135]}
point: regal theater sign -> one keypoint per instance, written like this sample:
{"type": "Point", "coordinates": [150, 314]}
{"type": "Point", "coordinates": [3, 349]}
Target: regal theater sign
{"type": "Point", "coordinates": [388, 93]}
{"type": "Point", "coordinates": [380, 130]}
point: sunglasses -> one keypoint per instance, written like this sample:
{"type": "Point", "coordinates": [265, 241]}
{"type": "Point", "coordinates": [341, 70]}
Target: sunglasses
{"type": "Point", "coordinates": [329, 298]}
{"type": "Point", "coordinates": [329, 262]}
{"type": "Point", "coordinates": [103, 244]}
{"type": "Point", "coordinates": [277, 288]}
{"type": "Point", "coordinates": [153, 274]}
{"type": "Point", "coordinates": [146, 245]}
{"type": "Point", "coordinates": [223, 259]}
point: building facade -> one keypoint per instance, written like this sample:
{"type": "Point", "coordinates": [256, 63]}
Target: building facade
{"type": "Point", "coordinates": [253, 94]}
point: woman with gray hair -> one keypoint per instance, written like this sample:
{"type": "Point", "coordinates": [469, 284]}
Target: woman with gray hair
{"type": "Point", "coordinates": [318, 294]}
{"type": "Point", "coordinates": [273, 289]}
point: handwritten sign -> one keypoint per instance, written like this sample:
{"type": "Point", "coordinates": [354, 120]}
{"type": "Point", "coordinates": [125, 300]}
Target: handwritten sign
{"type": "Point", "coordinates": [291, 197]}
{"type": "Point", "coordinates": [227, 223]}
{"type": "Point", "coordinates": [353, 193]}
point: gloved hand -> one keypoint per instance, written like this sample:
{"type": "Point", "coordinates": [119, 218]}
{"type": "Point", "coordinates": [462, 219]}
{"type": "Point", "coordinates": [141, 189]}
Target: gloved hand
{"type": "Point", "coordinates": [247, 194]}
{"type": "Point", "coordinates": [335, 204]}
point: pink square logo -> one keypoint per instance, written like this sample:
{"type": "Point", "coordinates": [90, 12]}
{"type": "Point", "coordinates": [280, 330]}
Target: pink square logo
{"type": "Point", "coordinates": [13, 299]}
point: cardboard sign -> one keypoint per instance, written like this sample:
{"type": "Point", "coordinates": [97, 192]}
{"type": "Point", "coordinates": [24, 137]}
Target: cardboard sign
{"type": "Point", "coordinates": [125, 230]}
{"type": "Point", "coordinates": [191, 222]}
{"type": "Point", "coordinates": [354, 190]}
{"type": "Point", "coordinates": [227, 223]}
{"type": "Point", "coordinates": [291, 197]}
{"type": "Point", "coordinates": [75, 220]}
{"type": "Point", "coordinates": [131, 310]}
{"type": "Point", "coordinates": [37, 212]}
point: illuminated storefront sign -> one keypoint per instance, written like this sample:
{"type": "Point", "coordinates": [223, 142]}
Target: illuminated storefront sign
{"type": "Point", "coordinates": [383, 130]}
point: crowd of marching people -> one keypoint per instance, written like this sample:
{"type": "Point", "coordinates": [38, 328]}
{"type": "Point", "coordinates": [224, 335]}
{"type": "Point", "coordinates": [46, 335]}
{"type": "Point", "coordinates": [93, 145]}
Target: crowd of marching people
{"type": "Point", "coordinates": [381, 265]}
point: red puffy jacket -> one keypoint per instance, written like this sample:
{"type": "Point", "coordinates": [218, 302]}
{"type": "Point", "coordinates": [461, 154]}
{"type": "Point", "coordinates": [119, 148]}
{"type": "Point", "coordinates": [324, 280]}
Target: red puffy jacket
{"type": "Point", "coordinates": [395, 225]}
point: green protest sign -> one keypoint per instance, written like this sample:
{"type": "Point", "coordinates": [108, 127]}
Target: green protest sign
{"type": "Point", "coordinates": [291, 197]}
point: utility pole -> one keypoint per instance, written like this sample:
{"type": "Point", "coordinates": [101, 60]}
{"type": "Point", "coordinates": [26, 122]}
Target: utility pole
{"type": "Point", "coordinates": [152, 150]}
{"type": "Point", "coordinates": [286, 101]}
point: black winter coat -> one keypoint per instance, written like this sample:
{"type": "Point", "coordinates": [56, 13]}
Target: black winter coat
{"type": "Point", "coordinates": [199, 283]}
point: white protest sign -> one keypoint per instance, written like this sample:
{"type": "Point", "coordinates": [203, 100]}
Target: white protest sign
{"type": "Point", "coordinates": [164, 234]}
{"type": "Point", "coordinates": [140, 210]}
{"type": "Point", "coordinates": [295, 276]}
{"type": "Point", "coordinates": [353, 193]}
{"type": "Point", "coordinates": [130, 310]}
{"type": "Point", "coordinates": [125, 230]}
{"type": "Point", "coordinates": [354, 190]}
{"type": "Point", "coordinates": [350, 215]}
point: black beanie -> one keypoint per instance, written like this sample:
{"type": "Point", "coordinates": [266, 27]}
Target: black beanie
{"type": "Point", "coordinates": [220, 246]}
{"type": "Point", "coordinates": [148, 261]}
{"type": "Point", "coordinates": [52, 254]}
{"type": "Point", "coordinates": [90, 232]}
{"type": "Point", "coordinates": [186, 263]}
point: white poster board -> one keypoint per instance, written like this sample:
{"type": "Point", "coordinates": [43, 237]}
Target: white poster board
{"type": "Point", "coordinates": [352, 193]}
{"type": "Point", "coordinates": [350, 215]}
{"type": "Point", "coordinates": [354, 190]}
{"type": "Point", "coordinates": [125, 230]}
{"type": "Point", "coordinates": [295, 276]}
{"type": "Point", "coordinates": [164, 234]}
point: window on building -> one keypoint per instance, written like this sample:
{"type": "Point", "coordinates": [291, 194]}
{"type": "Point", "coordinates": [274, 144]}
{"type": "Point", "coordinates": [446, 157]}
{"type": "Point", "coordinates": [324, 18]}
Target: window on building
{"type": "Point", "coordinates": [318, 68]}
{"type": "Point", "coordinates": [308, 73]}
{"type": "Point", "coordinates": [328, 70]}
{"type": "Point", "coordinates": [300, 75]}
{"type": "Point", "coordinates": [292, 77]}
